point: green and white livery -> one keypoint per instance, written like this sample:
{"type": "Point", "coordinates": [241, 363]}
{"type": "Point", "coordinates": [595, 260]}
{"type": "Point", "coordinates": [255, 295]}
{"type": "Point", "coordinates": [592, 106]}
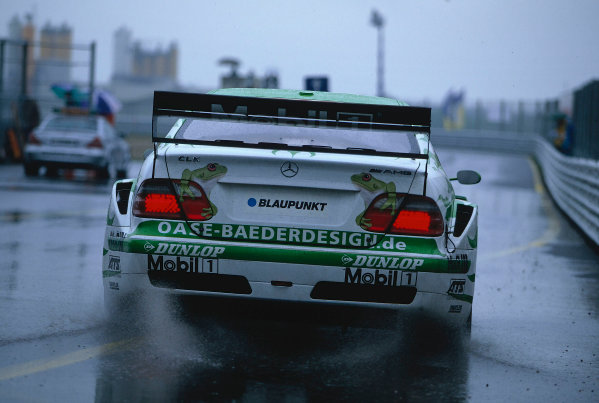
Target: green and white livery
{"type": "Point", "coordinates": [293, 196]}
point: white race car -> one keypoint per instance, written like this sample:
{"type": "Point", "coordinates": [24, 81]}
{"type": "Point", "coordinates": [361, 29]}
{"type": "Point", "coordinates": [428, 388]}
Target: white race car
{"type": "Point", "coordinates": [295, 196]}
{"type": "Point", "coordinates": [75, 140]}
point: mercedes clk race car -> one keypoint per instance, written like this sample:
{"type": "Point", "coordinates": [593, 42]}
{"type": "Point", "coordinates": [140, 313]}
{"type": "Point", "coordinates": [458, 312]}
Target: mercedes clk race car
{"type": "Point", "coordinates": [305, 197]}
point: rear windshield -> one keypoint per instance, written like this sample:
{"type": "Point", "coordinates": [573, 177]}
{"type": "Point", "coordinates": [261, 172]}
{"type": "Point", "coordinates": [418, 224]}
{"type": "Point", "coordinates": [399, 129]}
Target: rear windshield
{"type": "Point", "coordinates": [344, 138]}
{"type": "Point", "coordinates": [73, 123]}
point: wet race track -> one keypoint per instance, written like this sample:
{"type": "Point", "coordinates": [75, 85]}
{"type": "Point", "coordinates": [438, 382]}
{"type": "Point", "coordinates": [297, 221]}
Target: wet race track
{"type": "Point", "coordinates": [535, 330]}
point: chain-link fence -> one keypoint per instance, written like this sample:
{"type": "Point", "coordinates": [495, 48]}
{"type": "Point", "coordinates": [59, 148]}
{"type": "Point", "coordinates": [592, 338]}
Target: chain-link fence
{"type": "Point", "coordinates": [35, 78]}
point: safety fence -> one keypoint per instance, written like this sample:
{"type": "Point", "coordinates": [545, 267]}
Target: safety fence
{"type": "Point", "coordinates": [36, 77]}
{"type": "Point", "coordinates": [572, 182]}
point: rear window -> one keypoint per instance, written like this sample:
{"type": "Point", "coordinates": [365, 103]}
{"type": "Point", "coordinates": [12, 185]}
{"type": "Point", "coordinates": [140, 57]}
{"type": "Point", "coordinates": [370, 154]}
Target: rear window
{"type": "Point", "coordinates": [73, 123]}
{"type": "Point", "coordinates": [314, 137]}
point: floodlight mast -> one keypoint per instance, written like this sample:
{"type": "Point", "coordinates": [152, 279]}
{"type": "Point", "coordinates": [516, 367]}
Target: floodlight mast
{"type": "Point", "coordinates": [376, 19]}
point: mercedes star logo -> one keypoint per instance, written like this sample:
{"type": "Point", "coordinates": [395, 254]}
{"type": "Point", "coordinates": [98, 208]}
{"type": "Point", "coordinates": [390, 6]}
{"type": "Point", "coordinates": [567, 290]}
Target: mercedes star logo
{"type": "Point", "coordinates": [289, 169]}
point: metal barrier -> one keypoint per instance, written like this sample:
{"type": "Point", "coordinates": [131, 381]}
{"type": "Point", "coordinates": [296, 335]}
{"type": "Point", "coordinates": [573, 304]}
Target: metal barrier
{"type": "Point", "coordinates": [573, 182]}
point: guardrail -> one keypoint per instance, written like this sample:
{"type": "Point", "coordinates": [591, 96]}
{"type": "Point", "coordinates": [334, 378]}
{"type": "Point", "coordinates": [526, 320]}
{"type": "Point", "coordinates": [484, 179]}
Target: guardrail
{"type": "Point", "coordinates": [573, 182]}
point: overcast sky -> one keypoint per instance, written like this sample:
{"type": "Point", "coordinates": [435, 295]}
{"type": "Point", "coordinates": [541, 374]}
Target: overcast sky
{"type": "Point", "coordinates": [494, 49]}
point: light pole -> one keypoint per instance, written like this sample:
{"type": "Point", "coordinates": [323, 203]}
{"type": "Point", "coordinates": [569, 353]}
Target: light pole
{"type": "Point", "coordinates": [377, 21]}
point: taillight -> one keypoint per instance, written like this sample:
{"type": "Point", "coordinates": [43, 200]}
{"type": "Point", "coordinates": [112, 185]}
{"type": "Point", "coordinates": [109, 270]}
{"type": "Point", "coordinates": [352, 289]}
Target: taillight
{"type": "Point", "coordinates": [419, 215]}
{"type": "Point", "coordinates": [95, 143]}
{"type": "Point", "coordinates": [171, 199]}
{"type": "Point", "coordinates": [161, 203]}
{"type": "Point", "coordinates": [32, 139]}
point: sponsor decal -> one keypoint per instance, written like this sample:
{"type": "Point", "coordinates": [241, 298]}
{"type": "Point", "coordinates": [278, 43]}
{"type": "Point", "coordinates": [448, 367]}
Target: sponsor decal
{"type": "Point", "coordinates": [178, 264]}
{"type": "Point", "coordinates": [116, 240]}
{"type": "Point", "coordinates": [390, 244]}
{"type": "Point", "coordinates": [288, 204]}
{"type": "Point", "coordinates": [284, 254]}
{"type": "Point", "coordinates": [282, 235]}
{"type": "Point", "coordinates": [297, 236]}
{"type": "Point", "coordinates": [458, 263]}
{"type": "Point", "coordinates": [313, 118]}
{"type": "Point", "coordinates": [181, 249]}
{"type": "Point", "coordinates": [148, 246]}
{"type": "Point", "coordinates": [390, 171]}
{"type": "Point", "coordinates": [376, 277]}
{"type": "Point", "coordinates": [182, 264]}
{"type": "Point", "coordinates": [206, 176]}
{"type": "Point", "coordinates": [455, 308]}
{"type": "Point", "coordinates": [391, 278]}
{"type": "Point", "coordinates": [114, 263]}
{"type": "Point", "coordinates": [457, 286]}
{"type": "Point", "coordinates": [387, 262]}
{"type": "Point", "coordinates": [116, 244]}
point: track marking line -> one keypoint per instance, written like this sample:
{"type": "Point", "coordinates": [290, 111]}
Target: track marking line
{"type": "Point", "coordinates": [553, 229]}
{"type": "Point", "coordinates": [45, 364]}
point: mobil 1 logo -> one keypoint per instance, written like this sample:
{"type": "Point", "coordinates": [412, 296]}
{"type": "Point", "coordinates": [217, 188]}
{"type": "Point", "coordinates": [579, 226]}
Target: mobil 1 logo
{"type": "Point", "coordinates": [391, 278]}
{"type": "Point", "coordinates": [182, 264]}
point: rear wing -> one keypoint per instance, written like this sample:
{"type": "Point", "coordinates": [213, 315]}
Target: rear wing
{"type": "Point", "coordinates": [294, 112]}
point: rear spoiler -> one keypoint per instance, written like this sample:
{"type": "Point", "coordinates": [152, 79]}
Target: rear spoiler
{"type": "Point", "coordinates": [290, 112]}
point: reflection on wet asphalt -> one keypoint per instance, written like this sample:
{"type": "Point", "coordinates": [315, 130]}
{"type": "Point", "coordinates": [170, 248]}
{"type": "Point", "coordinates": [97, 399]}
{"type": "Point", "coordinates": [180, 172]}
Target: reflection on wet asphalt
{"type": "Point", "coordinates": [534, 333]}
{"type": "Point", "coordinates": [224, 354]}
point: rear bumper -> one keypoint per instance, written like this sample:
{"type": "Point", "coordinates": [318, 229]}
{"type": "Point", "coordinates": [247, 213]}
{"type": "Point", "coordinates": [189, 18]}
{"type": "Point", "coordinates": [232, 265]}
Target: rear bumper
{"type": "Point", "coordinates": [289, 283]}
{"type": "Point", "coordinates": [67, 158]}
{"type": "Point", "coordinates": [437, 306]}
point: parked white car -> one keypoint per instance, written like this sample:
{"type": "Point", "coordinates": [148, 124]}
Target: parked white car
{"type": "Point", "coordinates": [77, 141]}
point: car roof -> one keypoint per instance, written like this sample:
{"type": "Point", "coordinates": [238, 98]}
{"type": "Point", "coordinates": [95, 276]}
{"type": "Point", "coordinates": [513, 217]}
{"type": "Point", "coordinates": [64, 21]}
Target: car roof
{"type": "Point", "coordinates": [307, 95]}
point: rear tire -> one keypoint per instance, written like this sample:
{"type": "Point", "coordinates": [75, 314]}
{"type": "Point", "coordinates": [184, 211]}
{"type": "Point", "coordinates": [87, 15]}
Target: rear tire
{"type": "Point", "coordinates": [121, 173]}
{"type": "Point", "coordinates": [51, 172]}
{"type": "Point", "coordinates": [31, 169]}
{"type": "Point", "coordinates": [104, 172]}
